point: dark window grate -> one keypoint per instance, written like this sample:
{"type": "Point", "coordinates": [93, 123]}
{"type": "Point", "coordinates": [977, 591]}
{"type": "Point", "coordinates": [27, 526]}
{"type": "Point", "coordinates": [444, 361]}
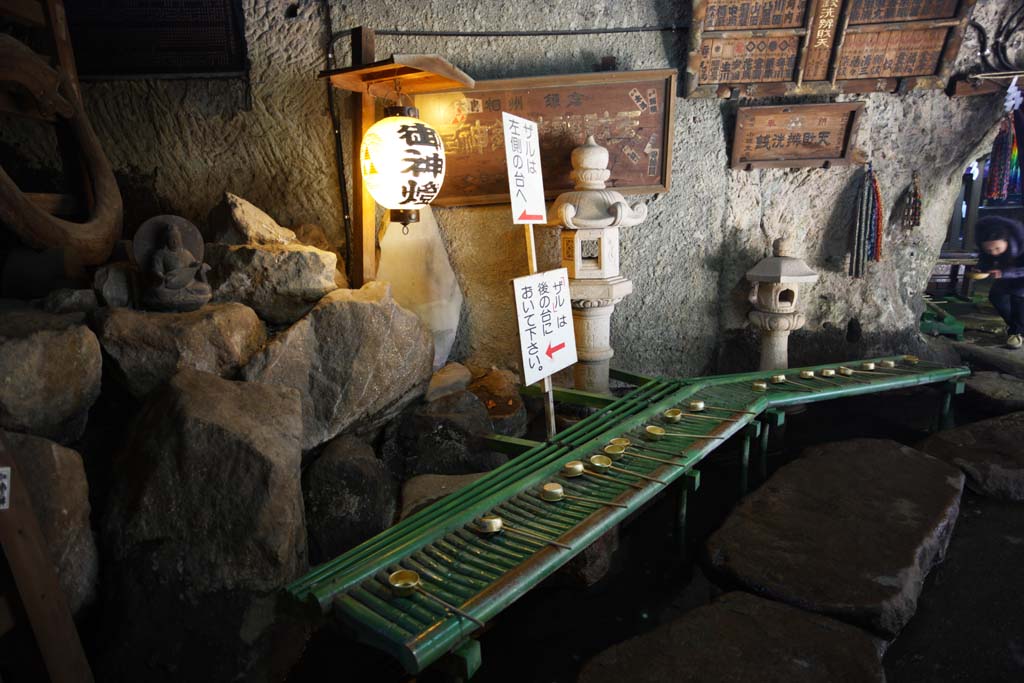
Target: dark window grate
{"type": "Point", "coordinates": [157, 37]}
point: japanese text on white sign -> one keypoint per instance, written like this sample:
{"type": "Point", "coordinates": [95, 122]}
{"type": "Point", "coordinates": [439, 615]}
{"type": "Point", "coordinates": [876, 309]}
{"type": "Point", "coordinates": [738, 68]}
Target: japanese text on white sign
{"type": "Point", "coordinates": [545, 323]}
{"type": "Point", "coordinates": [525, 182]}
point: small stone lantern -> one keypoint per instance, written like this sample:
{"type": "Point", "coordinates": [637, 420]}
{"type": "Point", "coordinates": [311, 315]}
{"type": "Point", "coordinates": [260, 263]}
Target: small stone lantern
{"type": "Point", "coordinates": [590, 217]}
{"type": "Point", "coordinates": [775, 295]}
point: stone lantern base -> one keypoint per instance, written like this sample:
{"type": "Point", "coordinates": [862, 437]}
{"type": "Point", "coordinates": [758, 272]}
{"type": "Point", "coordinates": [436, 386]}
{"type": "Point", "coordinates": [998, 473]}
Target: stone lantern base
{"type": "Point", "coordinates": [593, 302]}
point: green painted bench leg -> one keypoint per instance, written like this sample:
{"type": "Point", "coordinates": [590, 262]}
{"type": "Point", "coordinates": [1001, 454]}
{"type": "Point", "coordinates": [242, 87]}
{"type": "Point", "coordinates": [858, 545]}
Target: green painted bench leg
{"type": "Point", "coordinates": [690, 481]}
{"type": "Point", "coordinates": [768, 419]}
{"type": "Point", "coordinates": [950, 389]}
{"type": "Point", "coordinates": [751, 432]}
{"type": "Point", "coordinates": [462, 663]}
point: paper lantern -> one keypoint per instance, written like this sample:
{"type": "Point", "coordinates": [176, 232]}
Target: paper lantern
{"type": "Point", "coordinates": [402, 163]}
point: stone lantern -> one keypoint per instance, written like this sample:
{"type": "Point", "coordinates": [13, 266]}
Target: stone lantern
{"type": "Point", "coordinates": [775, 296]}
{"type": "Point", "coordinates": [590, 217]}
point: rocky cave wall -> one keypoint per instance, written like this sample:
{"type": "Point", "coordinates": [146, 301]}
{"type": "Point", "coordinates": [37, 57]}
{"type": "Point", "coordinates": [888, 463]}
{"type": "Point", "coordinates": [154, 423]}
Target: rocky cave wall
{"type": "Point", "coordinates": [178, 145]}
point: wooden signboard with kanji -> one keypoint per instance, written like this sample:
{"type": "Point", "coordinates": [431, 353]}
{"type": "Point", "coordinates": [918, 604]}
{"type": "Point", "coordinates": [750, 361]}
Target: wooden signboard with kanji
{"type": "Point", "coordinates": [763, 48]}
{"type": "Point", "coordinates": [799, 135]}
{"type": "Point", "coordinates": [628, 112]}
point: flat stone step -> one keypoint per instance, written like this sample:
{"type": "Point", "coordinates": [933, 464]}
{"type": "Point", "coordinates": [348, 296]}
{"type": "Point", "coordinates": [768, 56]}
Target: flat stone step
{"type": "Point", "coordinates": [740, 638]}
{"type": "Point", "coordinates": [990, 452]}
{"type": "Point", "coordinates": [849, 530]}
{"type": "Point", "coordinates": [995, 393]}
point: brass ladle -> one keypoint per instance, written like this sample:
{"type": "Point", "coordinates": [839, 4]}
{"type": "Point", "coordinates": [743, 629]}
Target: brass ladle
{"type": "Point", "coordinates": [616, 452]}
{"type": "Point", "coordinates": [656, 433]}
{"type": "Point", "coordinates": [759, 386]}
{"type": "Point", "coordinates": [697, 406]}
{"type": "Point", "coordinates": [842, 372]}
{"type": "Point", "coordinates": [809, 374]}
{"type": "Point", "coordinates": [623, 441]}
{"type": "Point", "coordinates": [575, 468]}
{"type": "Point", "coordinates": [603, 462]}
{"type": "Point", "coordinates": [869, 367]}
{"type": "Point", "coordinates": [782, 379]}
{"type": "Point", "coordinates": [493, 524]}
{"type": "Point", "coordinates": [553, 492]}
{"type": "Point", "coordinates": [675, 415]}
{"type": "Point", "coordinates": [405, 582]}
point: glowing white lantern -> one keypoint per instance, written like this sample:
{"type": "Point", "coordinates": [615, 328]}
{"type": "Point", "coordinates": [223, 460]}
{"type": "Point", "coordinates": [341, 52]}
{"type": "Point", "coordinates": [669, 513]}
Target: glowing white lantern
{"type": "Point", "coordinates": [402, 163]}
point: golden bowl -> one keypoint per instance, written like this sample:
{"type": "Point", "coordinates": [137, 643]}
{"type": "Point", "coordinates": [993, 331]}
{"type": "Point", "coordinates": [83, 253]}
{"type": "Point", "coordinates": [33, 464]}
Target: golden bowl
{"type": "Point", "coordinates": [614, 452]}
{"type": "Point", "coordinates": [489, 524]}
{"type": "Point", "coordinates": [759, 386]}
{"type": "Point", "coordinates": [600, 462]}
{"type": "Point", "coordinates": [828, 372]}
{"type": "Point", "coordinates": [778, 379]}
{"type": "Point", "coordinates": [672, 415]}
{"type": "Point", "coordinates": [573, 468]}
{"type": "Point", "coordinates": [695, 406]}
{"type": "Point", "coordinates": [620, 441]}
{"type": "Point", "coordinates": [807, 374]}
{"type": "Point", "coordinates": [552, 491]}
{"type": "Point", "coordinates": [404, 582]}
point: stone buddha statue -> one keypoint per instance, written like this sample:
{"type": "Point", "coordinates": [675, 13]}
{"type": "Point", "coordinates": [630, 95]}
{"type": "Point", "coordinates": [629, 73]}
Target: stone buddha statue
{"type": "Point", "coordinates": [169, 251]}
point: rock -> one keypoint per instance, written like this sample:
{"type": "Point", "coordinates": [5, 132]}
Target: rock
{"type": "Point", "coordinates": [1007, 361]}
{"type": "Point", "coordinates": [850, 530]}
{"type": "Point", "coordinates": [70, 301]}
{"type": "Point", "coordinates": [740, 637]}
{"type": "Point", "coordinates": [989, 452]}
{"type": "Point", "coordinates": [446, 437]}
{"type": "Point", "coordinates": [349, 496]}
{"type": "Point", "coordinates": [995, 393]}
{"type": "Point", "coordinates": [236, 221]}
{"type": "Point", "coordinates": [115, 284]}
{"type": "Point", "coordinates": [50, 368]}
{"type": "Point", "coordinates": [421, 491]}
{"type": "Point", "coordinates": [313, 235]}
{"type": "Point", "coordinates": [499, 390]}
{"type": "Point", "coordinates": [203, 529]}
{"type": "Point", "coordinates": [281, 283]}
{"type": "Point", "coordinates": [592, 564]}
{"type": "Point", "coordinates": [357, 358]}
{"type": "Point", "coordinates": [55, 479]}
{"type": "Point", "coordinates": [340, 280]}
{"type": "Point", "coordinates": [451, 378]}
{"type": "Point", "coordinates": [149, 348]}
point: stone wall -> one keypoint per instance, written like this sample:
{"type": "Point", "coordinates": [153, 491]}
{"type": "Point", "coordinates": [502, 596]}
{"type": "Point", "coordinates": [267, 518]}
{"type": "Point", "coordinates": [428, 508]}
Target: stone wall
{"type": "Point", "coordinates": [177, 145]}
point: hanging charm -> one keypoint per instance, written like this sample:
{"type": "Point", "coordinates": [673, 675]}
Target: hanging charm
{"type": "Point", "coordinates": [867, 238]}
{"type": "Point", "coordinates": [912, 211]}
{"type": "Point", "coordinates": [1004, 163]}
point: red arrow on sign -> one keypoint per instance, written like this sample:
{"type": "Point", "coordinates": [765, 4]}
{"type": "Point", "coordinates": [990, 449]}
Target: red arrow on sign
{"type": "Point", "coordinates": [530, 217]}
{"type": "Point", "coordinates": [552, 349]}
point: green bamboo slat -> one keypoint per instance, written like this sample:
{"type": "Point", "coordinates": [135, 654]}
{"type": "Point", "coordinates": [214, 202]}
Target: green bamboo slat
{"type": "Point", "coordinates": [482, 562]}
{"type": "Point", "coordinates": [473, 545]}
{"type": "Point", "coordinates": [403, 618]}
{"type": "Point", "coordinates": [462, 583]}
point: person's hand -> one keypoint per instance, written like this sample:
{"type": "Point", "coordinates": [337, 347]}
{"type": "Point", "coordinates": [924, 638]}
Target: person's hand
{"type": "Point", "coordinates": [995, 273]}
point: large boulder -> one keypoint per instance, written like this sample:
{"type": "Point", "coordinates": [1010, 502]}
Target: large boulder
{"type": "Point", "coordinates": [281, 282]}
{"type": "Point", "coordinates": [994, 393]}
{"type": "Point", "coordinates": [990, 452]}
{"type": "Point", "coordinates": [740, 637]}
{"type": "Point", "coordinates": [55, 480]}
{"type": "Point", "coordinates": [357, 359]}
{"type": "Point", "coordinates": [203, 529]}
{"type": "Point", "coordinates": [50, 368]}
{"type": "Point", "coordinates": [237, 221]}
{"type": "Point", "coordinates": [445, 436]}
{"type": "Point", "coordinates": [850, 530]}
{"type": "Point", "coordinates": [62, 301]}
{"type": "Point", "coordinates": [499, 391]}
{"type": "Point", "coordinates": [349, 496]}
{"type": "Point", "coordinates": [148, 348]}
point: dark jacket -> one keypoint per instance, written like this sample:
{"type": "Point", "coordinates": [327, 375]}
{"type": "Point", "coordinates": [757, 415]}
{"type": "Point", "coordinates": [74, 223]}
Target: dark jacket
{"type": "Point", "coordinates": [1010, 262]}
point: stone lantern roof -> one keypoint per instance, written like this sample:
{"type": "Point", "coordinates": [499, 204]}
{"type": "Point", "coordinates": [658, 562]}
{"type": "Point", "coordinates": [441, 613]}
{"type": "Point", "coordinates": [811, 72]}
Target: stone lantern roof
{"type": "Point", "coordinates": [782, 267]}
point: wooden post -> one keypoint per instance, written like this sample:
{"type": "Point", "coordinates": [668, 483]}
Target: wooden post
{"type": "Point", "coordinates": [364, 214]}
{"type": "Point", "coordinates": [549, 397]}
{"type": "Point", "coordinates": [37, 584]}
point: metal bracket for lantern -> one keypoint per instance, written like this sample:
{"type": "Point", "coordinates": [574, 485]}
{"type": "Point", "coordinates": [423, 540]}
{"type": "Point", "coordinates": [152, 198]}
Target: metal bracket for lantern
{"type": "Point", "coordinates": [369, 79]}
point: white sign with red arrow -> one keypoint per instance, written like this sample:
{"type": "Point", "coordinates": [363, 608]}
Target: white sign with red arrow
{"type": "Point", "coordinates": [545, 323]}
{"type": "Point", "coordinates": [525, 182]}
